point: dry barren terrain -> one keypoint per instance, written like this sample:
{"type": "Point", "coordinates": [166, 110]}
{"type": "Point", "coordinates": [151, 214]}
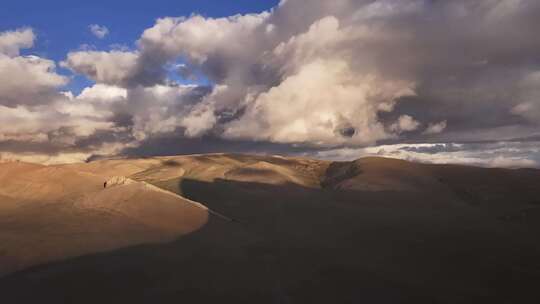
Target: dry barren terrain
{"type": "Point", "coordinates": [226, 228]}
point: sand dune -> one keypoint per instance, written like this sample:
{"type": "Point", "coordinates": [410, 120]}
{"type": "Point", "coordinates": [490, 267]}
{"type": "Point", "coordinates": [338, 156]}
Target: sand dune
{"type": "Point", "coordinates": [264, 172]}
{"type": "Point", "coordinates": [52, 213]}
{"type": "Point", "coordinates": [266, 229]}
{"type": "Point", "coordinates": [29, 182]}
{"type": "Point", "coordinates": [148, 205]}
{"type": "Point", "coordinates": [115, 167]}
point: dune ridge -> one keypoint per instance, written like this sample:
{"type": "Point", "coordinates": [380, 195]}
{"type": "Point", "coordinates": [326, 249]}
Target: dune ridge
{"type": "Point", "coordinates": [48, 210]}
{"type": "Point", "coordinates": [263, 229]}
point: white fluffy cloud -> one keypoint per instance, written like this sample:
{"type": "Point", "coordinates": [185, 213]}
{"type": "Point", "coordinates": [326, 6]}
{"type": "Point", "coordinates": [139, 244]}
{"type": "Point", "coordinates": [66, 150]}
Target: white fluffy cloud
{"type": "Point", "coordinates": [198, 37]}
{"type": "Point", "coordinates": [301, 88]}
{"type": "Point", "coordinates": [385, 51]}
{"type": "Point", "coordinates": [35, 115]}
{"type": "Point", "coordinates": [103, 93]}
{"type": "Point", "coordinates": [28, 80]}
{"type": "Point", "coordinates": [114, 68]}
{"type": "Point", "coordinates": [405, 123]}
{"type": "Point", "coordinates": [436, 128]}
{"type": "Point", "coordinates": [25, 80]}
{"type": "Point", "coordinates": [100, 31]}
{"type": "Point", "coordinates": [11, 42]}
{"type": "Point", "coordinates": [318, 105]}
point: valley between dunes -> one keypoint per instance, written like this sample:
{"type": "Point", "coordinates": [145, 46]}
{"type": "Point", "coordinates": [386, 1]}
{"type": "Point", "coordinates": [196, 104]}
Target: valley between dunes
{"type": "Point", "coordinates": [233, 228]}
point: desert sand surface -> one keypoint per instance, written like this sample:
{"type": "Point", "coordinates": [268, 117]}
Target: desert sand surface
{"type": "Point", "coordinates": [227, 228]}
{"type": "Point", "coordinates": [55, 212]}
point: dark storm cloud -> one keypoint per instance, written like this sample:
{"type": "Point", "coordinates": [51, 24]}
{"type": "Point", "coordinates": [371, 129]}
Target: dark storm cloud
{"type": "Point", "coordinates": [176, 144]}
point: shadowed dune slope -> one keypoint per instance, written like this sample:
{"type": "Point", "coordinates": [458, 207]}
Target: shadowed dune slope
{"type": "Point", "coordinates": [465, 183]}
{"type": "Point", "coordinates": [379, 174]}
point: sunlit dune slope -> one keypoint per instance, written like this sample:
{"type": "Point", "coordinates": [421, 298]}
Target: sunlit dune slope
{"type": "Point", "coordinates": [46, 184]}
{"type": "Point", "coordinates": [115, 167]}
{"type": "Point", "coordinates": [51, 213]}
{"type": "Point", "coordinates": [273, 170]}
{"type": "Point", "coordinates": [149, 206]}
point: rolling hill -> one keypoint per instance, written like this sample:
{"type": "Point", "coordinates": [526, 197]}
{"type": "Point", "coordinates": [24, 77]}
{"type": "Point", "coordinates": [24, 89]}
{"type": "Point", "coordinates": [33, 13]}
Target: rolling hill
{"type": "Point", "coordinates": [268, 229]}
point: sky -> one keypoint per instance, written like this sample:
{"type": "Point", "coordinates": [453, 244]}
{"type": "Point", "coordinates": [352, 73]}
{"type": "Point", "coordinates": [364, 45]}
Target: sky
{"type": "Point", "coordinates": [424, 80]}
{"type": "Point", "coordinates": [62, 25]}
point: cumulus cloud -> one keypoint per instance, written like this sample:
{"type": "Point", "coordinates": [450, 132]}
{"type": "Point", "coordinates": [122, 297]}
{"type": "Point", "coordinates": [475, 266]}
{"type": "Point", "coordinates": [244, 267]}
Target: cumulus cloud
{"type": "Point", "coordinates": [199, 38]}
{"type": "Point", "coordinates": [411, 48]}
{"type": "Point", "coordinates": [25, 80]}
{"type": "Point", "coordinates": [436, 128]}
{"type": "Point", "coordinates": [300, 88]}
{"type": "Point", "coordinates": [332, 74]}
{"type": "Point", "coordinates": [11, 42]}
{"type": "Point", "coordinates": [37, 117]}
{"type": "Point", "coordinates": [100, 31]}
{"type": "Point", "coordinates": [103, 93]}
{"type": "Point", "coordinates": [405, 123]}
{"type": "Point", "coordinates": [113, 68]}
{"type": "Point", "coordinates": [28, 80]}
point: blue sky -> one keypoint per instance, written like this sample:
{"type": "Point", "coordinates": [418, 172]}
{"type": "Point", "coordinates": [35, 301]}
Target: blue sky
{"type": "Point", "coordinates": [62, 25]}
